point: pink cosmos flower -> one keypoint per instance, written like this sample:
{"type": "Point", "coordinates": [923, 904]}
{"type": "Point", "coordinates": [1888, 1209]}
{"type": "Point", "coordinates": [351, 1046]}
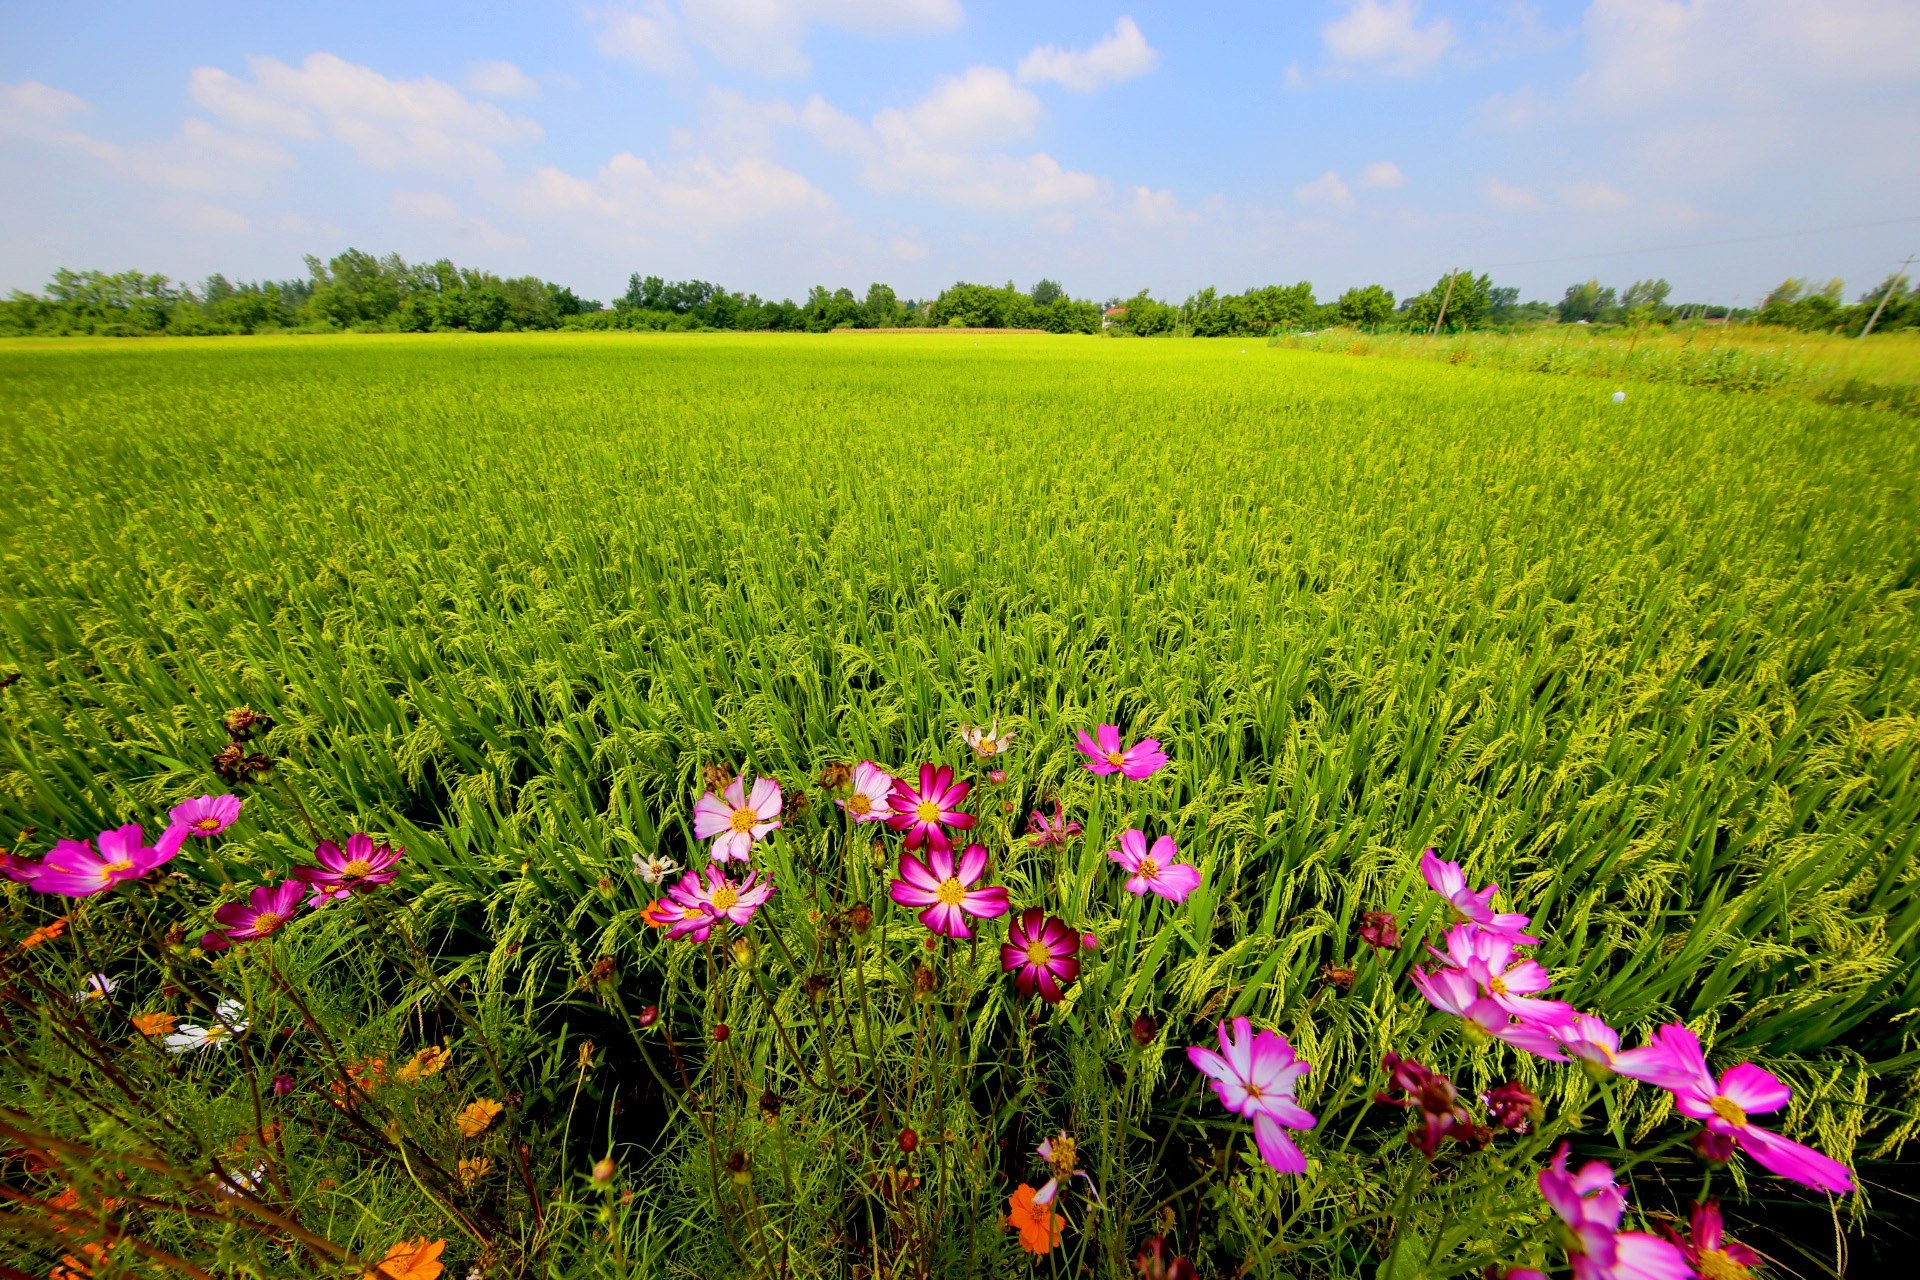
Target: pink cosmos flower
{"type": "Point", "coordinates": [205, 816]}
{"type": "Point", "coordinates": [867, 802]}
{"type": "Point", "coordinates": [737, 822]}
{"type": "Point", "coordinates": [1155, 870]}
{"type": "Point", "coordinates": [1255, 1077]}
{"type": "Point", "coordinates": [1041, 831]}
{"type": "Point", "coordinates": [1725, 1105]}
{"type": "Point", "coordinates": [74, 870]}
{"type": "Point", "coordinates": [1141, 760]}
{"type": "Point", "coordinates": [946, 892]}
{"type": "Point", "coordinates": [266, 909]}
{"type": "Point", "coordinates": [1591, 1203]}
{"type": "Point", "coordinates": [923, 813]}
{"type": "Point", "coordinates": [1447, 880]}
{"type": "Point", "coordinates": [1062, 1155]}
{"type": "Point", "coordinates": [716, 900]}
{"type": "Point", "coordinates": [1510, 983]}
{"type": "Point", "coordinates": [1706, 1247]}
{"type": "Point", "coordinates": [16, 868]}
{"type": "Point", "coordinates": [1454, 991]}
{"type": "Point", "coordinates": [1043, 951]}
{"type": "Point", "coordinates": [362, 867]}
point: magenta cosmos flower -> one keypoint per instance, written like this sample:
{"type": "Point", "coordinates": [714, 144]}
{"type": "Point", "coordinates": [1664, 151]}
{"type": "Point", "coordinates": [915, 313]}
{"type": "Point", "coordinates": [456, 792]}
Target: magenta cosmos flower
{"type": "Point", "coordinates": [946, 891]}
{"type": "Point", "coordinates": [1454, 991]}
{"type": "Point", "coordinates": [74, 870]}
{"type": "Point", "coordinates": [1154, 870]}
{"type": "Point", "coordinates": [264, 912]}
{"type": "Point", "coordinates": [714, 900]}
{"type": "Point", "coordinates": [923, 814]}
{"type": "Point", "coordinates": [1706, 1247]}
{"type": "Point", "coordinates": [1042, 832]}
{"type": "Point", "coordinates": [1509, 982]}
{"type": "Point", "coordinates": [1255, 1077]}
{"type": "Point", "coordinates": [362, 867]}
{"type": "Point", "coordinates": [867, 802]}
{"type": "Point", "coordinates": [1447, 880]}
{"type": "Point", "coordinates": [736, 821]}
{"type": "Point", "coordinates": [1591, 1203]}
{"type": "Point", "coordinates": [1725, 1105]}
{"type": "Point", "coordinates": [205, 816]}
{"type": "Point", "coordinates": [1141, 760]}
{"type": "Point", "coordinates": [1040, 952]}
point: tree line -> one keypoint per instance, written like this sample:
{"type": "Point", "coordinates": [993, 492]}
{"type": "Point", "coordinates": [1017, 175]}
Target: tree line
{"type": "Point", "coordinates": [358, 292]}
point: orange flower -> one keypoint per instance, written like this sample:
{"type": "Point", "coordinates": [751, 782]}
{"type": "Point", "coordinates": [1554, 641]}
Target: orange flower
{"type": "Point", "coordinates": [410, 1260]}
{"type": "Point", "coordinates": [45, 933]}
{"type": "Point", "coordinates": [366, 1076]}
{"type": "Point", "coordinates": [427, 1062]}
{"type": "Point", "coordinates": [1039, 1229]}
{"type": "Point", "coordinates": [652, 914]}
{"type": "Point", "coordinates": [477, 1118]}
{"type": "Point", "coordinates": [471, 1171]}
{"type": "Point", "coordinates": [157, 1023]}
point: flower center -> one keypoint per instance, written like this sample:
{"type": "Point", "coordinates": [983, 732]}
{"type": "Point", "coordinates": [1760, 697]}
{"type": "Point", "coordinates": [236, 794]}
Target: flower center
{"type": "Point", "coordinates": [1715, 1265]}
{"type": "Point", "coordinates": [859, 803]}
{"type": "Point", "coordinates": [114, 868]}
{"type": "Point", "coordinates": [216, 1032]}
{"type": "Point", "coordinates": [1066, 1158]}
{"type": "Point", "coordinates": [743, 820]}
{"type": "Point", "coordinates": [1497, 986]}
{"type": "Point", "coordinates": [357, 868]}
{"type": "Point", "coordinates": [1149, 868]}
{"type": "Point", "coordinates": [207, 824]}
{"type": "Point", "coordinates": [266, 922]}
{"type": "Point", "coordinates": [951, 892]}
{"type": "Point", "coordinates": [927, 811]}
{"type": "Point", "coordinates": [1729, 1110]}
{"type": "Point", "coordinates": [724, 897]}
{"type": "Point", "coordinates": [1039, 953]}
{"type": "Point", "coordinates": [1116, 758]}
{"type": "Point", "coordinates": [988, 746]}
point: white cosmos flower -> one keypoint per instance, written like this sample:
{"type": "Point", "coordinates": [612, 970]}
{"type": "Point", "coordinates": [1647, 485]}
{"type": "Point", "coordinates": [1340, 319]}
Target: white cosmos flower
{"type": "Point", "coordinates": [98, 987]}
{"type": "Point", "coordinates": [654, 868]}
{"type": "Point", "coordinates": [229, 1021]}
{"type": "Point", "coordinates": [987, 743]}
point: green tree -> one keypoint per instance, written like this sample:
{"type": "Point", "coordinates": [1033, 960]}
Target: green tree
{"type": "Point", "coordinates": [881, 307]}
{"type": "Point", "coordinates": [1047, 292]}
{"type": "Point", "coordinates": [1589, 302]}
{"type": "Point", "coordinates": [1458, 300]}
{"type": "Point", "coordinates": [1366, 307]}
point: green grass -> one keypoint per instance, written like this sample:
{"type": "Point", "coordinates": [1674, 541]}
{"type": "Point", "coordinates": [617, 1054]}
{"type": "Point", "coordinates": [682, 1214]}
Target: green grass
{"type": "Point", "coordinates": [1650, 666]}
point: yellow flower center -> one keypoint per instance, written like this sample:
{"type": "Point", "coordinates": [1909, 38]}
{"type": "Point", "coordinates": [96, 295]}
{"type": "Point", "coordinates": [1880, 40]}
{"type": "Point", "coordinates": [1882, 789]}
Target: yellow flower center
{"type": "Point", "coordinates": [724, 897]}
{"type": "Point", "coordinates": [1729, 1110]}
{"type": "Point", "coordinates": [207, 824]}
{"type": "Point", "coordinates": [1116, 758]}
{"type": "Point", "coordinates": [743, 820]}
{"type": "Point", "coordinates": [858, 803]}
{"type": "Point", "coordinates": [1498, 986]}
{"type": "Point", "coordinates": [266, 922]}
{"type": "Point", "coordinates": [927, 811]}
{"type": "Point", "coordinates": [113, 867]}
{"type": "Point", "coordinates": [1149, 868]}
{"type": "Point", "coordinates": [1066, 1158]}
{"type": "Point", "coordinates": [988, 746]}
{"type": "Point", "coordinates": [1039, 953]}
{"type": "Point", "coordinates": [951, 892]}
{"type": "Point", "coordinates": [1715, 1265]}
{"type": "Point", "coordinates": [357, 868]}
{"type": "Point", "coordinates": [217, 1031]}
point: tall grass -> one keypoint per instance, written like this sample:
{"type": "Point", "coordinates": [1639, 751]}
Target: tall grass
{"type": "Point", "coordinates": [1650, 666]}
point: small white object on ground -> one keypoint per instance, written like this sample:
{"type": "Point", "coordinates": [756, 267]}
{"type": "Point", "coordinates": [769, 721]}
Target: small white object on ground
{"type": "Point", "coordinates": [1619, 397]}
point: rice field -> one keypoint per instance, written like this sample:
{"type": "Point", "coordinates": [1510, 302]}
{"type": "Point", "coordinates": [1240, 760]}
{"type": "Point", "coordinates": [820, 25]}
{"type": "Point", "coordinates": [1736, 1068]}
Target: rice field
{"type": "Point", "coordinates": [1653, 667]}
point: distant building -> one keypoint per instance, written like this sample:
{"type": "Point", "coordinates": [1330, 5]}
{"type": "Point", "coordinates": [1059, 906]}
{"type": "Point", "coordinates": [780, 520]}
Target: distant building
{"type": "Point", "coordinates": [1113, 316]}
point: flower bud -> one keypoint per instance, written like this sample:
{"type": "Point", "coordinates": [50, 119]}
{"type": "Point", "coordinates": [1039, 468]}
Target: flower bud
{"type": "Point", "coordinates": [282, 1085]}
{"type": "Point", "coordinates": [909, 1140]}
{"type": "Point", "coordinates": [860, 919]}
{"type": "Point", "coordinates": [648, 1016]}
{"type": "Point", "coordinates": [603, 1170]}
{"type": "Point", "coordinates": [997, 775]}
{"type": "Point", "coordinates": [1145, 1029]}
{"type": "Point", "coordinates": [1089, 942]}
{"type": "Point", "coordinates": [720, 1034]}
{"type": "Point", "coordinates": [742, 951]}
{"type": "Point", "coordinates": [1513, 1107]}
{"type": "Point", "coordinates": [1712, 1148]}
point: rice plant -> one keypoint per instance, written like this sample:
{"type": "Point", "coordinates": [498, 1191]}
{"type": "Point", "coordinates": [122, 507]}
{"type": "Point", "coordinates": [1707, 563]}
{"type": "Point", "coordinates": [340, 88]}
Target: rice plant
{"type": "Point", "coordinates": [542, 612]}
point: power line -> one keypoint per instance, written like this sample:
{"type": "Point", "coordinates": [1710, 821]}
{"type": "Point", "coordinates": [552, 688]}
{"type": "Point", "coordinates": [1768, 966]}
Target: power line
{"type": "Point", "coordinates": [1707, 244]}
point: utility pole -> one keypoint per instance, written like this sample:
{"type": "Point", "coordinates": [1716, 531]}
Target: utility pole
{"type": "Point", "coordinates": [1441, 318]}
{"type": "Point", "coordinates": [1875, 317]}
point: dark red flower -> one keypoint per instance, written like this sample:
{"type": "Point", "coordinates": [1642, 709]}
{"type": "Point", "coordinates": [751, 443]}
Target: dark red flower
{"type": "Point", "coordinates": [1380, 930]}
{"type": "Point", "coordinates": [1433, 1094]}
{"type": "Point", "coordinates": [1513, 1107]}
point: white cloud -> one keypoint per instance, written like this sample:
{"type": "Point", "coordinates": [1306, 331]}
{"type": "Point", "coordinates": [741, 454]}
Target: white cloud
{"type": "Point", "coordinates": [937, 146]}
{"type": "Point", "coordinates": [907, 250]}
{"type": "Point", "coordinates": [1595, 197]}
{"type": "Point", "coordinates": [766, 37]}
{"type": "Point", "coordinates": [199, 158]}
{"type": "Point", "coordinates": [1059, 222]}
{"type": "Point", "coordinates": [1295, 79]}
{"type": "Point", "coordinates": [1120, 56]}
{"type": "Point", "coordinates": [389, 124]}
{"type": "Point", "coordinates": [1328, 188]}
{"type": "Point", "coordinates": [1522, 109]}
{"type": "Point", "coordinates": [436, 209]}
{"type": "Point", "coordinates": [30, 103]}
{"type": "Point", "coordinates": [1382, 175]}
{"type": "Point", "coordinates": [1504, 195]}
{"type": "Point", "coordinates": [501, 80]}
{"type": "Point", "coordinates": [696, 194]}
{"type": "Point", "coordinates": [198, 215]}
{"type": "Point", "coordinates": [1385, 36]}
{"type": "Point", "coordinates": [1151, 208]}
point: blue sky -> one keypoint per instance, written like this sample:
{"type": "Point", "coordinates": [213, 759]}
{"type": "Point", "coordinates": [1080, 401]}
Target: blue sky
{"type": "Point", "coordinates": [774, 144]}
